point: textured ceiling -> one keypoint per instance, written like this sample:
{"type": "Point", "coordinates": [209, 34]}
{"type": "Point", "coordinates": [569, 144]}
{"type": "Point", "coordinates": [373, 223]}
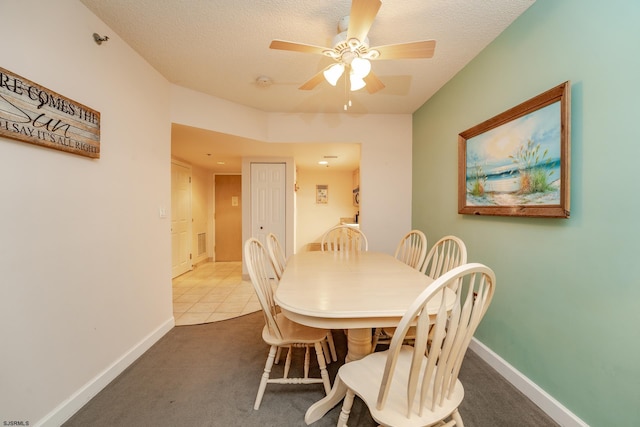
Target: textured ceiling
{"type": "Point", "coordinates": [221, 47]}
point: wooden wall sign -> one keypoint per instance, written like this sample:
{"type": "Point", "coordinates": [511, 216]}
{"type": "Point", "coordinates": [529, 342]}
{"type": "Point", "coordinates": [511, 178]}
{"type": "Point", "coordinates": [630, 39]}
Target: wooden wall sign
{"type": "Point", "coordinates": [34, 114]}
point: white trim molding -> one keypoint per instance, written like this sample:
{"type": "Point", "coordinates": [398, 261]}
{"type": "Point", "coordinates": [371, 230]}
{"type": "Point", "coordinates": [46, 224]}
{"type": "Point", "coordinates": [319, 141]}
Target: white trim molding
{"type": "Point", "coordinates": [537, 395]}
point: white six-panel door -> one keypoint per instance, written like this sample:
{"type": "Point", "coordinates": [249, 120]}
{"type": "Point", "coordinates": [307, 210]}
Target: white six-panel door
{"type": "Point", "coordinates": [268, 201]}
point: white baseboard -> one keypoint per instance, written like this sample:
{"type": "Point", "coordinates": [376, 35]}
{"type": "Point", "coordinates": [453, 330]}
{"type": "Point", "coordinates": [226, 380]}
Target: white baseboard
{"type": "Point", "coordinates": [202, 261]}
{"type": "Point", "coordinates": [544, 400]}
{"type": "Point", "coordinates": [66, 409]}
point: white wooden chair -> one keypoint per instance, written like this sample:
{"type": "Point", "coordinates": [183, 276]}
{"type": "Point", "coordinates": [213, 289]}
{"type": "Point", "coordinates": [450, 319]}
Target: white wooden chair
{"type": "Point", "coordinates": [412, 249]}
{"type": "Point", "coordinates": [279, 261]}
{"type": "Point", "coordinates": [446, 254]}
{"type": "Point", "coordinates": [344, 238]}
{"type": "Point", "coordinates": [277, 255]}
{"type": "Point", "coordinates": [418, 385]}
{"type": "Point", "coordinates": [279, 331]}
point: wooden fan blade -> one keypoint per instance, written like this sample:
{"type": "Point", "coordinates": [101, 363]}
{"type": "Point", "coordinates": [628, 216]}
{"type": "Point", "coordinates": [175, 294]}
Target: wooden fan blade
{"type": "Point", "coordinates": [313, 81]}
{"type": "Point", "coordinates": [297, 47]}
{"type": "Point", "coordinates": [362, 14]}
{"type": "Point", "coordinates": [421, 49]}
{"type": "Point", "coordinates": [373, 83]}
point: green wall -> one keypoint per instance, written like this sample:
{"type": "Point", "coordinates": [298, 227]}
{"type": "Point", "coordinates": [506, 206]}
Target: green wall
{"type": "Point", "coordinates": [566, 313]}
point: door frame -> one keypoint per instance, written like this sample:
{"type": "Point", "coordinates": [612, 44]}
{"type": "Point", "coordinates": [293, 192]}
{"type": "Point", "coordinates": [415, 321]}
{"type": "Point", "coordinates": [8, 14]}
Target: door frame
{"type": "Point", "coordinates": [289, 200]}
{"type": "Point", "coordinates": [189, 214]}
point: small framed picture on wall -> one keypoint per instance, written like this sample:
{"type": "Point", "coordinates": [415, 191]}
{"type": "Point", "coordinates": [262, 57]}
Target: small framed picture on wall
{"type": "Point", "coordinates": [322, 194]}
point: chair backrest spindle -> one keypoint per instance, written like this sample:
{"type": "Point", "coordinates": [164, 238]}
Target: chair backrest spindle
{"type": "Point", "coordinates": [276, 254]}
{"type": "Point", "coordinates": [446, 254]}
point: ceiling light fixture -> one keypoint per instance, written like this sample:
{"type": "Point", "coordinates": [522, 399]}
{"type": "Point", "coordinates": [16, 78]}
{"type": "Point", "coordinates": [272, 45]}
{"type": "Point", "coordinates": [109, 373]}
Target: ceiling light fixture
{"type": "Point", "coordinates": [333, 73]}
{"type": "Point", "coordinates": [356, 82]}
{"type": "Point", "coordinates": [351, 55]}
{"type": "Point", "coordinates": [360, 67]}
{"type": "Point", "coordinates": [350, 50]}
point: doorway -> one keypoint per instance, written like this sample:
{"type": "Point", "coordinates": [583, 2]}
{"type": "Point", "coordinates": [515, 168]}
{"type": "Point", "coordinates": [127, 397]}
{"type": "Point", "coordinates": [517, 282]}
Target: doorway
{"type": "Point", "coordinates": [228, 218]}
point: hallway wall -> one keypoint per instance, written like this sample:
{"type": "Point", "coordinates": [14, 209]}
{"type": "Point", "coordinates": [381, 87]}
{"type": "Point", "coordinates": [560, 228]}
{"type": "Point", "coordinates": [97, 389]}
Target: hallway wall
{"type": "Point", "coordinates": [86, 262]}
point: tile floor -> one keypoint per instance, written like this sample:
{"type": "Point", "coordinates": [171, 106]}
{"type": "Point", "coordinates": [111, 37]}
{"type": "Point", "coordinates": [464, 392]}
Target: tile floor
{"type": "Point", "coordinates": [210, 292]}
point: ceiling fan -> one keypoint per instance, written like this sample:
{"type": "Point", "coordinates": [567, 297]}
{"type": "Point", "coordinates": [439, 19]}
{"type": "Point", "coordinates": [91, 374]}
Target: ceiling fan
{"type": "Point", "coordinates": [352, 53]}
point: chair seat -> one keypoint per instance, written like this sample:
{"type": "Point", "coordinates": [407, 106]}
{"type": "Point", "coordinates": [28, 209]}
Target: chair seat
{"type": "Point", "coordinates": [292, 333]}
{"type": "Point", "coordinates": [364, 376]}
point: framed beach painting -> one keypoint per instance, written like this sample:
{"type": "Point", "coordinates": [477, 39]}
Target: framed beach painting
{"type": "Point", "coordinates": [517, 163]}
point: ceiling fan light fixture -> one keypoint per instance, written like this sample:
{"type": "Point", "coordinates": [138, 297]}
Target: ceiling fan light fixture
{"type": "Point", "coordinates": [340, 43]}
{"type": "Point", "coordinates": [343, 24]}
{"type": "Point", "coordinates": [354, 44]}
{"type": "Point", "coordinates": [351, 51]}
{"type": "Point", "coordinates": [333, 73]}
{"type": "Point", "coordinates": [339, 39]}
{"type": "Point", "coordinates": [356, 82]}
{"type": "Point", "coordinates": [331, 54]}
{"type": "Point", "coordinates": [372, 54]}
{"type": "Point", "coordinates": [360, 67]}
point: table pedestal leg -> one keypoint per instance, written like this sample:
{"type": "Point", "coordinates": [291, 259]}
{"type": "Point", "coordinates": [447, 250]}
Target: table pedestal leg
{"type": "Point", "coordinates": [321, 407]}
{"type": "Point", "coordinates": [358, 344]}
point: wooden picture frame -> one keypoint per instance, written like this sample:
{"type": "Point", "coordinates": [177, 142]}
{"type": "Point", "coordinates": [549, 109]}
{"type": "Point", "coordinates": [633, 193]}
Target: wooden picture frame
{"type": "Point", "coordinates": [517, 163]}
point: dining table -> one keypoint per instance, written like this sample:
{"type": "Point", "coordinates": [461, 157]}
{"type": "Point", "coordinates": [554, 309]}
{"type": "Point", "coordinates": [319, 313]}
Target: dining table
{"type": "Point", "coordinates": [355, 291]}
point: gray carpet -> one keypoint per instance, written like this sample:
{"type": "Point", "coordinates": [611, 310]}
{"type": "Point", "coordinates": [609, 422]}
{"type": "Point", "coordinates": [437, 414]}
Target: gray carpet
{"type": "Point", "coordinates": [208, 375]}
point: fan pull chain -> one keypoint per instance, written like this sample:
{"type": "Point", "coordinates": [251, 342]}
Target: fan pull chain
{"type": "Point", "coordinates": [347, 94]}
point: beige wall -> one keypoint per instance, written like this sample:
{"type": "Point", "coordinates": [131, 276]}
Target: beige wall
{"type": "Point", "coordinates": [385, 162]}
{"type": "Point", "coordinates": [314, 219]}
{"type": "Point", "coordinates": [86, 258]}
